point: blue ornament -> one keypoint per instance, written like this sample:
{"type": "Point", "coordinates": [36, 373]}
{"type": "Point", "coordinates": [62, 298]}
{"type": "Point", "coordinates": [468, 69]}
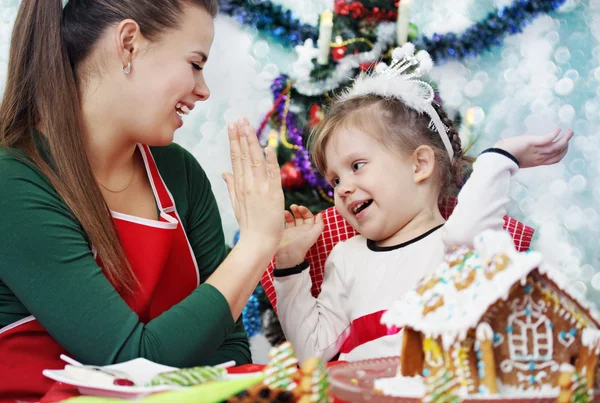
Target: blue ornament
{"type": "Point", "coordinates": [251, 315]}
{"type": "Point", "coordinates": [236, 237]}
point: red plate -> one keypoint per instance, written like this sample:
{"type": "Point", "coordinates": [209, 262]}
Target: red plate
{"type": "Point", "coordinates": [353, 382]}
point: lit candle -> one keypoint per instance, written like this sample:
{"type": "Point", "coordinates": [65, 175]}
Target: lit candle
{"type": "Point", "coordinates": [403, 21]}
{"type": "Point", "coordinates": [325, 31]}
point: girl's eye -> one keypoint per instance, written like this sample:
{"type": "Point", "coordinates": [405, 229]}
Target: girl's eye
{"type": "Point", "coordinates": [358, 165]}
{"type": "Point", "coordinates": [196, 66]}
{"type": "Point", "coordinates": [335, 182]}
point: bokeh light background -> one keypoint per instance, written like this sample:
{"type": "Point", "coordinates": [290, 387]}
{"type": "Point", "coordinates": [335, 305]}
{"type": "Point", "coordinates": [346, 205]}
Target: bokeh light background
{"type": "Point", "coordinates": [545, 77]}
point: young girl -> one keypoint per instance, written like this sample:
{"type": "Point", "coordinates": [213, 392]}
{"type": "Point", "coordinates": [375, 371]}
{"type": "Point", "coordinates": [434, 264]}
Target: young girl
{"type": "Point", "coordinates": [391, 155]}
{"type": "Point", "coordinates": [112, 242]}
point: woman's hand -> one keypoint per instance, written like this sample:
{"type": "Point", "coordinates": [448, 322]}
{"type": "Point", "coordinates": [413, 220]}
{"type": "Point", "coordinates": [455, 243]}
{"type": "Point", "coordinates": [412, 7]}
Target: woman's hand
{"type": "Point", "coordinates": [533, 151]}
{"type": "Point", "coordinates": [302, 229]}
{"type": "Point", "coordinates": [255, 188]}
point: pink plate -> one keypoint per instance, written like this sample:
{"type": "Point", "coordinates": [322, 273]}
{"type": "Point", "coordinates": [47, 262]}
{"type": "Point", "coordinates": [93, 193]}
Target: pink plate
{"type": "Point", "coordinates": [353, 382]}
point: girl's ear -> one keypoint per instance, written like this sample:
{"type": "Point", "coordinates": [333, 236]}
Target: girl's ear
{"type": "Point", "coordinates": [424, 163]}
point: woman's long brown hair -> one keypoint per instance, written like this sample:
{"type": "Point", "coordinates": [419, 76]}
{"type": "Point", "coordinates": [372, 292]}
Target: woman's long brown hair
{"type": "Point", "coordinates": [42, 91]}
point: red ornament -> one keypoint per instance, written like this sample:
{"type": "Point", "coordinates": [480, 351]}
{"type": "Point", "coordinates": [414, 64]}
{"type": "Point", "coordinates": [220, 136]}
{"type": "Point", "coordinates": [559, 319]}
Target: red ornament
{"type": "Point", "coordinates": [341, 7]}
{"type": "Point", "coordinates": [338, 53]}
{"type": "Point", "coordinates": [315, 115]}
{"type": "Point", "coordinates": [366, 66]}
{"type": "Point", "coordinates": [357, 10]}
{"type": "Point", "coordinates": [291, 177]}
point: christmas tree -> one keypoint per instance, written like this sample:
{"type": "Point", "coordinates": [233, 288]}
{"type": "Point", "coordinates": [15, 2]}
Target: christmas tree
{"type": "Point", "coordinates": [352, 39]}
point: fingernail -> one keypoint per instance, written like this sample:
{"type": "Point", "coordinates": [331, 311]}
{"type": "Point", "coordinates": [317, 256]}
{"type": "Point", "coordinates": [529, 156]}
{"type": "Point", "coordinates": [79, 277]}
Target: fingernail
{"type": "Point", "coordinates": [223, 176]}
{"type": "Point", "coordinates": [241, 121]}
{"type": "Point", "coordinates": [231, 127]}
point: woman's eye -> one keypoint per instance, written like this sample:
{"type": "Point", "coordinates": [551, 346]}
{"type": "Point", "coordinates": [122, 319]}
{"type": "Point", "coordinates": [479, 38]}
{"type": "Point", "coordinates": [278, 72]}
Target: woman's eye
{"type": "Point", "coordinates": [196, 66]}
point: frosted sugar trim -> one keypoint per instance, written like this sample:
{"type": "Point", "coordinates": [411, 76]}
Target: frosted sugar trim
{"type": "Point", "coordinates": [484, 332]}
{"type": "Point", "coordinates": [566, 368]}
{"type": "Point", "coordinates": [590, 338]}
{"type": "Point", "coordinates": [401, 386]}
{"type": "Point", "coordinates": [562, 282]}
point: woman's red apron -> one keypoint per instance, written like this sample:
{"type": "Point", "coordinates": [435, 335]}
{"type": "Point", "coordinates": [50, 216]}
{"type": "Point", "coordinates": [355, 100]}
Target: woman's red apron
{"type": "Point", "coordinates": [164, 264]}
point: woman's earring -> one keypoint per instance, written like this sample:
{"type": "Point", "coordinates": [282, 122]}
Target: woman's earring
{"type": "Point", "coordinates": [127, 69]}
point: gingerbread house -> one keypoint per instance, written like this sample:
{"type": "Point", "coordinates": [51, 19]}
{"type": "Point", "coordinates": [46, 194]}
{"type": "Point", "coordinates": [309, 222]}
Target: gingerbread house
{"type": "Point", "coordinates": [492, 320]}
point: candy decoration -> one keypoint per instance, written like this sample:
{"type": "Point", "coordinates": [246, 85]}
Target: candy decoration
{"type": "Point", "coordinates": [282, 369]}
{"type": "Point", "coordinates": [123, 382]}
{"type": "Point", "coordinates": [440, 389]}
{"type": "Point", "coordinates": [573, 386]}
{"type": "Point", "coordinates": [432, 302]}
{"type": "Point", "coordinates": [189, 376]}
{"type": "Point", "coordinates": [314, 384]}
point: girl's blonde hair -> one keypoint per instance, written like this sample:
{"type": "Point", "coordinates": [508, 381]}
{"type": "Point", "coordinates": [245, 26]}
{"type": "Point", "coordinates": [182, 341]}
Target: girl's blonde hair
{"type": "Point", "coordinates": [397, 126]}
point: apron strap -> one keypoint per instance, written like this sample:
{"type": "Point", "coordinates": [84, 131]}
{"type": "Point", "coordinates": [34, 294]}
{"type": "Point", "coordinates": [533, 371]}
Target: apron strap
{"type": "Point", "coordinates": [162, 194]}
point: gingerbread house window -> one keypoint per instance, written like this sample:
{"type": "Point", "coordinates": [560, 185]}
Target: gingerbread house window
{"type": "Point", "coordinates": [529, 334]}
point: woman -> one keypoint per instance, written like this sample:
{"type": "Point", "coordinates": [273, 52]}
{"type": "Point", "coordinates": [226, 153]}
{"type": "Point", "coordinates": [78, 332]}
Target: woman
{"type": "Point", "coordinates": [113, 243]}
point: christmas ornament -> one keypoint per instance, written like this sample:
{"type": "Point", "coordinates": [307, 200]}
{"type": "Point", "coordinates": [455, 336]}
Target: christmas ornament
{"type": "Point", "coordinates": [291, 177]}
{"type": "Point", "coordinates": [315, 114]}
{"type": "Point", "coordinates": [338, 53]}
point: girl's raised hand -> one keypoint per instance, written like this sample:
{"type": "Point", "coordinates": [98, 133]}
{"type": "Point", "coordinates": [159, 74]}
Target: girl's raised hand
{"type": "Point", "coordinates": [255, 188]}
{"type": "Point", "coordinates": [532, 151]}
{"type": "Point", "coordinates": [302, 229]}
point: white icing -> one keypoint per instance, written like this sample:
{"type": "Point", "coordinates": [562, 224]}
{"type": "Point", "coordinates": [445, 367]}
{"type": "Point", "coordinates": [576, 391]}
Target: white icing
{"type": "Point", "coordinates": [414, 387]}
{"type": "Point", "coordinates": [515, 392]}
{"type": "Point", "coordinates": [499, 341]}
{"type": "Point", "coordinates": [484, 332]}
{"type": "Point", "coordinates": [566, 368]}
{"type": "Point", "coordinates": [528, 318]}
{"type": "Point", "coordinates": [566, 339]}
{"type": "Point", "coordinates": [401, 386]}
{"type": "Point", "coordinates": [591, 338]}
